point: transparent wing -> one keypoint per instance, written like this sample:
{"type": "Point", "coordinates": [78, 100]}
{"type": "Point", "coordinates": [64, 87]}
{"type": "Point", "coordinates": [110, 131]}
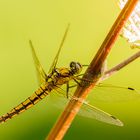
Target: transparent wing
{"type": "Point", "coordinates": [60, 47]}
{"type": "Point", "coordinates": [86, 110]}
{"type": "Point", "coordinates": [90, 111]}
{"type": "Point", "coordinates": [41, 75]}
{"type": "Point", "coordinates": [104, 92]}
{"type": "Point", "coordinates": [111, 93]}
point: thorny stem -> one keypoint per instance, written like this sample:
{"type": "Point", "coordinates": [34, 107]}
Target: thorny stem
{"type": "Point", "coordinates": [121, 65]}
{"type": "Point", "coordinates": [92, 73]}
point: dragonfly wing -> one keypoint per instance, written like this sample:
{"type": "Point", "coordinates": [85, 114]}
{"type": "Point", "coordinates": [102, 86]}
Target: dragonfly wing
{"type": "Point", "coordinates": [110, 93]}
{"type": "Point", "coordinates": [41, 75]}
{"type": "Point", "coordinates": [60, 47]}
{"type": "Point", "coordinates": [90, 111]}
{"type": "Point", "coordinates": [58, 98]}
{"type": "Point", "coordinates": [86, 109]}
{"type": "Point", "coordinates": [105, 92]}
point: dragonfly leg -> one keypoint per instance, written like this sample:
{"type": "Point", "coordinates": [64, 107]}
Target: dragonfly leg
{"type": "Point", "coordinates": [73, 86]}
{"type": "Point", "coordinates": [76, 80]}
{"type": "Point", "coordinates": [80, 75]}
{"type": "Point", "coordinates": [84, 81]}
{"type": "Point", "coordinates": [67, 90]}
{"type": "Point", "coordinates": [85, 65]}
{"type": "Point", "coordinates": [68, 87]}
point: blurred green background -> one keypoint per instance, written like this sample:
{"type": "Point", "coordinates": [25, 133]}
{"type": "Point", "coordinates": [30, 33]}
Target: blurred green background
{"type": "Point", "coordinates": [44, 22]}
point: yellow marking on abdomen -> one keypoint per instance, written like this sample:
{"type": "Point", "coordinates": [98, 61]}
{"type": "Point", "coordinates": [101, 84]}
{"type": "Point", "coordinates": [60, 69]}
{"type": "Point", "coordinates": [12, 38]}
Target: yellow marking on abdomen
{"type": "Point", "coordinates": [41, 93]}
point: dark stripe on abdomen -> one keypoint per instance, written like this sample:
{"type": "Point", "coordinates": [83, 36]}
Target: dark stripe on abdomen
{"type": "Point", "coordinates": [41, 93]}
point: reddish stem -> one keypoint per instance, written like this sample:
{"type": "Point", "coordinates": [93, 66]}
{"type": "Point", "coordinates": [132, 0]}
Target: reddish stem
{"type": "Point", "coordinates": [121, 65]}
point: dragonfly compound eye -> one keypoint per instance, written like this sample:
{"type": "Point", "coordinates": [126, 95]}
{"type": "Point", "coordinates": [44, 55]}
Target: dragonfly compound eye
{"type": "Point", "coordinates": [75, 67]}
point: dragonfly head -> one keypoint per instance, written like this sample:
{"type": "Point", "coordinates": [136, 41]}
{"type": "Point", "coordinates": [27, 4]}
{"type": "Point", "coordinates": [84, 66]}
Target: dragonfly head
{"type": "Point", "coordinates": [75, 67]}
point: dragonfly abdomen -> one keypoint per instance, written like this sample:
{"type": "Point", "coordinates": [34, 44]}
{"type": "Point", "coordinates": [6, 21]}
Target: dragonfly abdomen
{"type": "Point", "coordinates": [38, 95]}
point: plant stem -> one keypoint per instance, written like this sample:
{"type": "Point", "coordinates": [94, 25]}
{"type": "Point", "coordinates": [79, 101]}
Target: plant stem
{"type": "Point", "coordinates": [121, 65]}
{"type": "Point", "coordinates": [92, 73]}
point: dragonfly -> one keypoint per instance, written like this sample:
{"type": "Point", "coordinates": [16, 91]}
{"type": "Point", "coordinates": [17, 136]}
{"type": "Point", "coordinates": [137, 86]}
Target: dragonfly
{"type": "Point", "coordinates": [53, 81]}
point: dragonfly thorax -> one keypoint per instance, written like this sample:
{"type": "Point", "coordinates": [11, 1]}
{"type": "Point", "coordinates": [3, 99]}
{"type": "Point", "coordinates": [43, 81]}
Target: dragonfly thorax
{"type": "Point", "coordinates": [75, 68]}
